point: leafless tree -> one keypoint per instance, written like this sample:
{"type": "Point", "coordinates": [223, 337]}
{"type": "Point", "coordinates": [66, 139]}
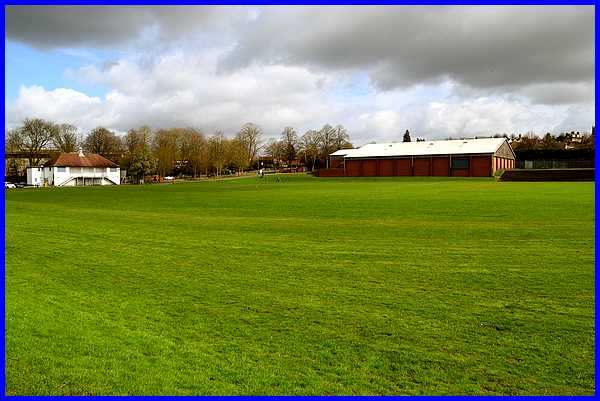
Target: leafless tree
{"type": "Point", "coordinates": [65, 138]}
{"type": "Point", "coordinates": [166, 150]}
{"type": "Point", "coordinates": [103, 142]}
{"type": "Point", "coordinates": [35, 135]}
{"type": "Point", "coordinates": [12, 144]}
{"type": "Point", "coordinates": [309, 148]}
{"type": "Point", "coordinates": [216, 151]}
{"type": "Point", "coordinates": [250, 137]}
{"type": "Point", "coordinates": [193, 151]}
{"type": "Point", "coordinates": [289, 140]}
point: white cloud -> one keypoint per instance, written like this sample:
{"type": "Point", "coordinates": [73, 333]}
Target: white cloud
{"type": "Point", "coordinates": [182, 90]}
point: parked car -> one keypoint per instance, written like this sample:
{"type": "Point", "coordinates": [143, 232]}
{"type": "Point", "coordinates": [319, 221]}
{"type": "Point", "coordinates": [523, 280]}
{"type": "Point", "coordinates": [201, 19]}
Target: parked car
{"type": "Point", "coordinates": [9, 185]}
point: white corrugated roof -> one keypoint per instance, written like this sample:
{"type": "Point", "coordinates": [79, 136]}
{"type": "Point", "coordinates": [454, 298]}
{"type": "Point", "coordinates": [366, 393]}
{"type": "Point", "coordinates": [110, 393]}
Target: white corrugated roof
{"type": "Point", "coordinates": [343, 152]}
{"type": "Point", "coordinates": [448, 147]}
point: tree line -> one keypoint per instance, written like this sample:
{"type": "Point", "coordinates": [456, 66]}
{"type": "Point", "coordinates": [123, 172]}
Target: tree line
{"type": "Point", "coordinates": [311, 149]}
{"type": "Point", "coordinates": [563, 141]}
{"type": "Point", "coordinates": [174, 151]}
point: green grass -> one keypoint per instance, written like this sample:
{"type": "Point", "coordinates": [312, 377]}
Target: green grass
{"type": "Point", "coordinates": [304, 286]}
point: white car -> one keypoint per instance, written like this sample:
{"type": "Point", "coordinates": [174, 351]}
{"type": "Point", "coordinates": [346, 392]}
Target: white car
{"type": "Point", "coordinates": [8, 185]}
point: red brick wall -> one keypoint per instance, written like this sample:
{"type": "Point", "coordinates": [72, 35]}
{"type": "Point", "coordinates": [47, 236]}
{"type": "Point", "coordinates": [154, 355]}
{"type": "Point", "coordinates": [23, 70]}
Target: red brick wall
{"type": "Point", "coordinates": [421, 167]}
{"type": "Point", "coordinates": [352, 168]}
{"type": "Point", "coordinates": [441, 166]}
{"type": "Point", "coordinates": [481, 166]}
{"type": "Point", "coordinates": [460, 172]}
{"type": "Point", "coordinates": [335, 163]}
{"type": "Point", "coordinates": [330, 172]}
{"type": "Point", "coordinates": [403, 167]}
{"type": "Point", "coordinates": [369, 168]}
{"type": "Point", "coordinates": [386, 168]}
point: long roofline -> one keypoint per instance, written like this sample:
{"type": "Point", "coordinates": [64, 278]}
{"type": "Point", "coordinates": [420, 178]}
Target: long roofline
{"type": "Point", "coordinates": [428, 148]}
{"type": "Point", "coordinates": [76, 160]}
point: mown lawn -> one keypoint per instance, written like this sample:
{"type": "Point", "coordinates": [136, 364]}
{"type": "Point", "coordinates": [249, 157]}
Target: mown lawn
{"type": "Point", "coordinates": [303, 286]}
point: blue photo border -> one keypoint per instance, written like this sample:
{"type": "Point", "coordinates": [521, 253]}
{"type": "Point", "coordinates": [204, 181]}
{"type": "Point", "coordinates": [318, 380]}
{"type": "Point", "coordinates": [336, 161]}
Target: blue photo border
{"type": "Point", "coordinates": [296, 2]}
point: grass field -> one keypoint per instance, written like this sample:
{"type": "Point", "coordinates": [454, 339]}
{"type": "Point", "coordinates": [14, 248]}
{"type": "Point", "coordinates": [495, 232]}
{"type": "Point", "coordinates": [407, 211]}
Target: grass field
{"type": "Point", "coordinates": [304, 286]}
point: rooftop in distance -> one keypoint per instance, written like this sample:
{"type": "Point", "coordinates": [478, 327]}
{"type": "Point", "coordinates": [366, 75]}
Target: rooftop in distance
{"type": "Point", "coordinates": [443, 147]}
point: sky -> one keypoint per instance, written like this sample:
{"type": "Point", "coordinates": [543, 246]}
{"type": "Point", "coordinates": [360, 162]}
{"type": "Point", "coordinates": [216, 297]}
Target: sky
{"type": "Point", "coordinates": [437, 71]}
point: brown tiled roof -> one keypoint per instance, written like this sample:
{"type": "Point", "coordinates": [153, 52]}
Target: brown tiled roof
{"type": "Point", "coordinates": [74, 160]}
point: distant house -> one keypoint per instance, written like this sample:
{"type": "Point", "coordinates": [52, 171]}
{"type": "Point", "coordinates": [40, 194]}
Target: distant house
{"type": "Point", "coordinates": [75, 169]}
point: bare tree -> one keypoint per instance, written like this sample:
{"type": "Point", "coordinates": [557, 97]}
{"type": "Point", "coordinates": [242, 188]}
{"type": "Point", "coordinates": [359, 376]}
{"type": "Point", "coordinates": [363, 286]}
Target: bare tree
{"type": "Point", "coordinates": [166, 150]}
{"type": "Point", "coordinates": [289, 139]}
{"type": "Point", "coordinates": [65, 138]}
{"type": "Point", "coordinates": [103, 142]}
{"type": "Point", "coordinates": [198, 153]}
{"type": "Point", "coordinates": [12, 144]}
{"type": "Point", "coordinates": [193, 152]}
{"type": "Point", "coordinates": [250, 136]}
{"type": "Point", "coordinates": [216, 151]}
{"type": "Point", "coordinates": [340, 139]}
{"type": "Point", "coordinates": [309, 148]}
{"type": "Point", "coordinates": [327, 142]}
{"type": "Point", "coordinates": [35, 135]}
{"type": "Point", "coordinates": [13, 141]}
{"type": "Point", "coordinates": [237, 154]}
{"type": "Point", "coordinates": [275, 149]}
{"type": "Point", "coordinates": [136, 139]}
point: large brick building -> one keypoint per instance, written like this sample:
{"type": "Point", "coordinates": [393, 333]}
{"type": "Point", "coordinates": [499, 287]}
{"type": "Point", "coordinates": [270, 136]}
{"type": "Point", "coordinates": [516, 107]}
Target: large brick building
{"type": "Point", "coordinates": [457, 158]}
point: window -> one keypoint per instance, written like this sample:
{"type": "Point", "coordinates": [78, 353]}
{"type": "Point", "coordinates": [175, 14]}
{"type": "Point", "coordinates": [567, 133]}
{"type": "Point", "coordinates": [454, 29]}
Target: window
{"type": "Point", "coordinates": [75, 169]}
{"type": "Point", "coordinates": [460, 163]}
{"type": "Point", "coordinates": [61, 169]}
{"type": "Point", "coordinates": [113, 169]}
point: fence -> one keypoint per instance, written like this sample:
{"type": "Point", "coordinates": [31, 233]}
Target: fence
{"type": "Point", "coordinates": [566, 174]}
{"type": "Point", "coordinates": [555, 163]}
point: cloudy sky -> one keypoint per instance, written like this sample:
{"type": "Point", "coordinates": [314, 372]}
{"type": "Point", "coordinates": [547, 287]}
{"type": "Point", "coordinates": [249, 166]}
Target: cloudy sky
{"type": "Point", "coordinates": [437, 71]}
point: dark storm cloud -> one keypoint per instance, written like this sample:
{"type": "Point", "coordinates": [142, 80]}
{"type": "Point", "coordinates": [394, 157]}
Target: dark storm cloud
{"type": "Point", "coordinates": [480, 46]}
{"type": "Point", "coordinates": [476, 45]}
{"type": "Point", "coordinates": [48, 27]}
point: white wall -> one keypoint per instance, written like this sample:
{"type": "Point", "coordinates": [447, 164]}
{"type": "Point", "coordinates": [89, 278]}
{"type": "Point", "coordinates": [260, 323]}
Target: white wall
{"type": "Point", "coordinates": [114, 176]}
{"type": "Point", "coordinates": [60, 176]}
{"type": "Point", "coordinates": [48, 175]}
{"type": "Point", "coordinates": [35, 176]}
{"type": "Point", "coordinates": [106, 176]}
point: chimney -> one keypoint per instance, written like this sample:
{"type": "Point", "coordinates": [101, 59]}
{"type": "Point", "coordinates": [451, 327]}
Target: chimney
{"type": "Point", "coordinates": [81, 152]}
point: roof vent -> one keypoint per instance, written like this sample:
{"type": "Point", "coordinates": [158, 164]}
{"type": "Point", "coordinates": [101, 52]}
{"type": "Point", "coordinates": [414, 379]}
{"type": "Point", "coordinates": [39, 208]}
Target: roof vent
{"type": "Point", "coordinates": [80, 152]}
